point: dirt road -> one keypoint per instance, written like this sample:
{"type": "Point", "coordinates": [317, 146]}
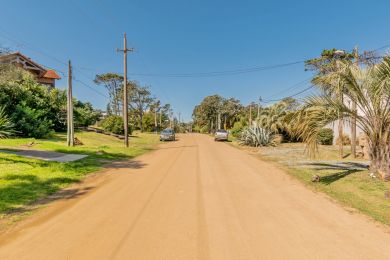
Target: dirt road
{"type": "Point", "coordinates": [196, 199]}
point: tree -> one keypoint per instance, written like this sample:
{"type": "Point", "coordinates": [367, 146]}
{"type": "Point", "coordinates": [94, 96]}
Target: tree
{"type": "Point", "coordinates": [114, 85]}
{"type": "Point", "coordinates": [369, 88]}
{"type": "Point", "coordinates": [330, 61]}
{"type": "Point", "coordinates": [206, 113]}
{"type": "Point", "coordinates": [139, 100]}
{"type": "Point", "coordinates": [272, 118]}
{"type": "Point", "coordinates": [230, 111]}
{"type": "Point", "coordinates": [84, 114]}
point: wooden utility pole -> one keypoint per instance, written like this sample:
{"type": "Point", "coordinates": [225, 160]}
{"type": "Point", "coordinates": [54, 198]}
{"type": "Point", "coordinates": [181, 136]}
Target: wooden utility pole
{"type": "Point", "coordinates": [160, 118]}
{"type": "Point", "coordinates": [69, 110]}
{"type": "Point", "coordinates": [353, 123]}
{"type": "Point", "coordinates": [258, 108]}
{"type": "Point", "coordinates": [250, 114]}
{"type": "Point", "coordinates": [125, 90]}
{"type": "Point", "coordinates": [219, 121]}
{"type": "Point", "coordinates": [155, 119]}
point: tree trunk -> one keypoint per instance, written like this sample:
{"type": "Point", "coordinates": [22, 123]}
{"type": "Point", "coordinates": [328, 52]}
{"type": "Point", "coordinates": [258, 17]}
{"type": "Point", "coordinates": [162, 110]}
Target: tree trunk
{"type": "Point", "coordinates": [380, 159]}
{"type": "Point", "coordinates": [141, 126]}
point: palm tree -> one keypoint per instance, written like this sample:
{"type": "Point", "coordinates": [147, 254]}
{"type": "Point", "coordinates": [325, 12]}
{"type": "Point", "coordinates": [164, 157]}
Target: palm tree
{"type": "Point", "coordinates": [6, 126]}
{"type": "Point", "coordinates": [272, 118]}
{"type": "Point", "coordinates": [369, 88]}
{"type": "Point", "coordinates": [331, 85]}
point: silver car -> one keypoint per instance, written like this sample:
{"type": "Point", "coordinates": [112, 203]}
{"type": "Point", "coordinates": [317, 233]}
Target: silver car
{"type": "Point", "coordinates": [167, 135]}
{"type": "Point", "coordinates": [221, 135]}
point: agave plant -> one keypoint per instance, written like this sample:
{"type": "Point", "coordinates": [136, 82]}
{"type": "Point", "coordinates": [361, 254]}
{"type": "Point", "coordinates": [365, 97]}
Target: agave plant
{"type": "Point", "coordinates": [6, 126]}
{"type": "Point", "coordinates": [256, 136]}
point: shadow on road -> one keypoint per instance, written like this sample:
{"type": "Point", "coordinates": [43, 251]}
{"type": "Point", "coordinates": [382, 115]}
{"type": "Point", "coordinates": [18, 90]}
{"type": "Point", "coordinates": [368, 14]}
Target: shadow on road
{"type": "Point", "coordinates": [133, 164]}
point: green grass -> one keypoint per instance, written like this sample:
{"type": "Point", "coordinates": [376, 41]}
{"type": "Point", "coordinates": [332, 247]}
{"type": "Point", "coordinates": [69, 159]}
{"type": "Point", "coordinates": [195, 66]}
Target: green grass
{"type": "Point", "coordinates": [352, 188]}
{"type": "Point", "coordinates": [23, 180]}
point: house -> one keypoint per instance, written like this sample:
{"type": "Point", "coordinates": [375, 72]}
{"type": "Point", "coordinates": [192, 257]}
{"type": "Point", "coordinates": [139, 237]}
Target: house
{"type": "Point", "coordinates": [43, 75]}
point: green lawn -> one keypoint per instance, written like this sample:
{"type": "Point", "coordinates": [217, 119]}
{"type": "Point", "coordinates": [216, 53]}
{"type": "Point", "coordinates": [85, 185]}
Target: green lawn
{"type": "Point", "coordinates": [23, 180]}
{"type": "Point", "coordinates": [352, 188]}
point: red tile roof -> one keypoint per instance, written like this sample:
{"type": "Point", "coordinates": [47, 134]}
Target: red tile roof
{"type": "Point", "coordinates": [51, 74]}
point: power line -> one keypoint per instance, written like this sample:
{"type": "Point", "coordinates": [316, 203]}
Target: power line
{"type": "Point", "coordinates": [218, 73]}
{"type": "Point", "coordinates": [96, 91]}
{"type": "Point", "coordinates": [291, 87]}
{"type": "Point", "coordinates": [294, 95]}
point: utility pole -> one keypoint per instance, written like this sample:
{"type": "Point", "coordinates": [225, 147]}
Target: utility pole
{"type": "Point", "coordinates": [70, 132]}
{"type": "Point", "coordinates": [258, 107]}
{"type": "Point", "coordinates": [219, 120]}
{"type": "Point", "coordinates": [353, 123]}
{"type": "Point", "coordinates": [125, 90]}
{"type": "Point", "coordinates": [155, 119]}
{"type": "Point", "coordinates": [250, 115]}
{"type": "Point", "coordinates": [160, 118]}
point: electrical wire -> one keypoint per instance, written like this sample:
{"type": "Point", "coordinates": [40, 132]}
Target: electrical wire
{"type": "Point", "coordinates": [293, 95]}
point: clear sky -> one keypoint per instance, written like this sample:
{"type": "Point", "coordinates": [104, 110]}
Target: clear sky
{"type": "Point", "coordinates": [187, 37]}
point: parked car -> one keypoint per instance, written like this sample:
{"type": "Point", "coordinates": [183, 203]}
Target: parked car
{"type": "Point", "coordinates": [167, 135]}
{"type": "Point", "coordinates": [221, 135]}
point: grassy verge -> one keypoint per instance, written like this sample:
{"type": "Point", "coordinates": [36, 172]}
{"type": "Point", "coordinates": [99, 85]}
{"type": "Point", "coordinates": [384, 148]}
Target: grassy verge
{"type": "Point", "coordinates": [23, 180]}
{"type": "Point", "coordinates": [353, 188]}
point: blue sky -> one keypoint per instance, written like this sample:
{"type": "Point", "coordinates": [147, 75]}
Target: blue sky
{"type": "Point", "coordinates": [180, 36]}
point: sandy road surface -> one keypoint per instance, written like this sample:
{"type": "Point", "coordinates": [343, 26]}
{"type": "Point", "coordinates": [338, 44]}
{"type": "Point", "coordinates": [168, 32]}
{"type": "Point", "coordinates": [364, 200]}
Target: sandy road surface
{"type": "Point", "coordinates": [196, 199]}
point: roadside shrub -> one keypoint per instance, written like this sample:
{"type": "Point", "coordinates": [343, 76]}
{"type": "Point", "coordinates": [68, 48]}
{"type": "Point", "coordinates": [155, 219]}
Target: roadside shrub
{"type": "Point", "coordinates": [237, 129]}
{"type": "Point", "coordinates": [204, 129]}
{"type": "Point", "coordinates": [27, 102]}
{"type": "Point", "coordinates": [256, 136]}
{"type": "Point", "coordinates": [114, 124]}
{"type": "Point", "coordinates": [325, 136]}
{"type": "Point", "coordinates": [84, 114]}
{"type": "Point", "coordinates": [31, 122]}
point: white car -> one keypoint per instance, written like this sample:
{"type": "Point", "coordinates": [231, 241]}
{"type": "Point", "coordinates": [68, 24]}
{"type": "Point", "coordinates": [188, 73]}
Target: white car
{"type": "Point", "coordinates": [221, 135]}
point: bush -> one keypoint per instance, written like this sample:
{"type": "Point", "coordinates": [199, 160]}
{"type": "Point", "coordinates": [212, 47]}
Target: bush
{"type": "Point", "coordinates": [31, 122]}
{"type": "Point", "coordinates": [114, 124]}
{"type": "Point", "coordinates": [27, 102]}
{"type": "Point", "coordinates": [325, 136]}
{"type": "Point", "coordinates": [237, 129]}
{"type": "Point", "coordinates": [84, 114]}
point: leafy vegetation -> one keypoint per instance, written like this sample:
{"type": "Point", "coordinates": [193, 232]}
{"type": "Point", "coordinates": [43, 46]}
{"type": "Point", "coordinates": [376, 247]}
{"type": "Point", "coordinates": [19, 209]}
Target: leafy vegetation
{"type": "Point", "coordinates": [35, 110]}
{"type": "Point", "coordinates": [146, 113]}
{"type": "Point", "coordinates": [215, 111]}
{"type": "Point", "coordinates": [114, 124]}
{"type": "Point", "coordinates": [325, 136]}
